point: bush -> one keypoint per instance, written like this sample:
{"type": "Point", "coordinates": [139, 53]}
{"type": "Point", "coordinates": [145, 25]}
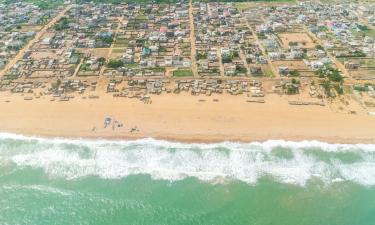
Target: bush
{"type": "Point", "coordinates": [291, 90]}
{"type": "Point", "coordinates": [261, 36]}
{"type": "Point", "coordinates": [294, 81]}
{"type": "Point", "coordinates": [335, 76]}
{"type": "Point", "coordinates": [294, 73]}
{"type": "Point", "coordinates": [101, 61]}
{"type": "Point", "coordinates": [62, 24]}
{"type": "Point", "coordinates": [361, 88]}
{"type": "Point", "coordinates": [201, 56]}
{"type": "Point", "coordinates": [339, 89]}
{"type": "Point", "coordinates": [226, 60]}
{"type": "Point", "coordinates": [363, 27]}
{"type": "Point", "coordinates": [107, 40]}
{"type": "Point", "coordinates": [115, 63]}
{"type": "Point", "coordinates": [85, 66]}
{"type": "Point", "coordinates": [331, 73]}
{"type": "Point", "coordinates": [241, 69]}
{"type": "Point", "coordinates": [327, 87]}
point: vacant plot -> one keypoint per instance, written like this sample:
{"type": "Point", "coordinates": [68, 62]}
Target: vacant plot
{"type": "Point", "coordinates": [27, 28]}
{"type": "Point", "coordinates": [292, 64]}
{"type": "Point", "coordinates": [368, 63]}
{"type": "Point", "coordinates": [363, 73]}
{"type": "Point", "coordinates": [121, 43]}
{"type": "Point", "coordinates": [88, 73]}
{"type": "Point", "coordinates": [95, 52]}
{"type": "Point", "coordinates": [363, 62]}
{"type": "Point", "coordinates": [298, 39]}
{"type": "Point", "coordinates": [265, 3]}
{"type": "Point", "coordinates": [46, 54]}
{"type": "Point", "coordinates": [117, 53]}
{"type": "Point", "coordinates": [42, 74]}
{"type": "Point", "coordinates": [118, 50]}
{"type": "Point", "coordinates": [48, 35]}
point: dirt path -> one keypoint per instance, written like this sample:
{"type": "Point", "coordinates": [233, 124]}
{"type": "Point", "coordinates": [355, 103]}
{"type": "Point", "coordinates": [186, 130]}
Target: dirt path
{"type": "Point", "coordinates": [36, 38]}
{"type": "Point", "coordinates": [76, 71]}
{"type": "Point", "coordinates": [220, 61]}
{"type": "Point", "coordinates": [192, 40]}
{"type": "Point", "coordinates": [338, 64]}
{"type": "Point", "coordinates": [243, 58]}
{"type": "Point", "coordinates": [112, 46]}
{"type": "Point", "coordinates": [272, 67]}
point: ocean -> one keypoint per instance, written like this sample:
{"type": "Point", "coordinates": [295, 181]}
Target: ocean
{"type": "Point", "coordinates": [147, 181]}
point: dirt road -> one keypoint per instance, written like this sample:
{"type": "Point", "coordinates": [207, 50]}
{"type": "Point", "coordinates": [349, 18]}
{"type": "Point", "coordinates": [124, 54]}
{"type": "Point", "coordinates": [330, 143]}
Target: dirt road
{"type": "Point", "coordinates": [36, 38]}
{"type": "Point", "coordinates": [192, 40]}
{"type": "Point", "coordinates": [272, 67]}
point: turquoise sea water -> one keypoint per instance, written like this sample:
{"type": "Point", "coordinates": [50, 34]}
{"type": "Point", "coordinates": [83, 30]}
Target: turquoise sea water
{"type": "Point", "coordinates": [56, 181]}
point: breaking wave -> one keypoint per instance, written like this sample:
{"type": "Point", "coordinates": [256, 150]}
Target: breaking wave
{"type": "Point", "coordinates": [284, 161]}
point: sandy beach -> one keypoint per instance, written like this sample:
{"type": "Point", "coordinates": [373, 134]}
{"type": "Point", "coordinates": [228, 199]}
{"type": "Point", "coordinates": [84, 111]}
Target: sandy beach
{"type": "Point", "coordinates": [183, 118]}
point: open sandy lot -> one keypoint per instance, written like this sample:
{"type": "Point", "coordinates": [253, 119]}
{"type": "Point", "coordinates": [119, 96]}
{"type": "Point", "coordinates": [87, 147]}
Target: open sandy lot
{"type": "Point", "coordinates": [292, 64]}
{"type": "Point", "coordinates": [303, 40]}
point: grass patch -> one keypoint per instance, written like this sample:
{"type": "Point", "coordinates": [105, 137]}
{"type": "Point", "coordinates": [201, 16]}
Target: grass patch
{"type": "Point", "coordinates": [182, 73]}
{"type": "Point", "coordinates": [368, 62]}
{"type": "Point", "coordinates": [268, 73]}
{"type": "Point", "coordinates": [118, 50]}
{"type": "Point", "coordinates": [85, 67]}
{"type": "Point", "coordinates": [46, 4]}
{"type": "Point", "coordinates": [158, 69]}
{"type": "Point", "coordinates": [132, 65]}
{"type": "Point", "coordinates": [369, 32]}
{"type": "Point", "coordinates": [120, 45]}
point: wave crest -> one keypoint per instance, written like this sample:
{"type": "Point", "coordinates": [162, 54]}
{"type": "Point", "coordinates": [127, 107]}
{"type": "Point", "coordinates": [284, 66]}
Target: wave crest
{"type": "Point", "coordinates": [285, 161]}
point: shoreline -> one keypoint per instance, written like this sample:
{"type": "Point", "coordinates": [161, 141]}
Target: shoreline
{"type": "Point", "coordinates": [183, 118]}
{"type": "Point", "coordinates": [194, 140]}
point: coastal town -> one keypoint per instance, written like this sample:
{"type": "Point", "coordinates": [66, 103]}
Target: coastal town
{"type": "Point", "coordinates": [187, 112]}
{"type": "Point", "coordinates": [308, 52]}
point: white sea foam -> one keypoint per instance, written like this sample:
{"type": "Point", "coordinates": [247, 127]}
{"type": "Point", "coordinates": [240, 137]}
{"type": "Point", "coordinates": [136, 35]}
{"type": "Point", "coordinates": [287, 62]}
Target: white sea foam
{"type": "Point", "coordinates": [247, 162]}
